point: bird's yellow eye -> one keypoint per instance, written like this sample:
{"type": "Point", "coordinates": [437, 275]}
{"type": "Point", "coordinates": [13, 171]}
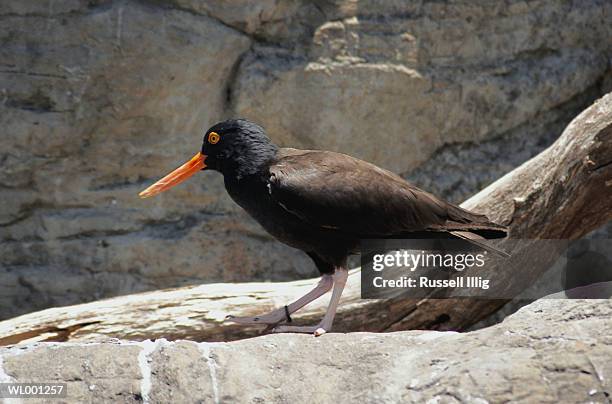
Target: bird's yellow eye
{"type": "Point", "coordinates": [213, 138]}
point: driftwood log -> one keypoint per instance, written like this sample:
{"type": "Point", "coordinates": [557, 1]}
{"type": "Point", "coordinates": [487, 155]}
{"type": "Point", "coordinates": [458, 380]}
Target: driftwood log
{"type": "Point", "coordinates": [563, 193]}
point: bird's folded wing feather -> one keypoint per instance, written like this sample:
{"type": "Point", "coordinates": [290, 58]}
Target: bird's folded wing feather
{"type": "Point", "coordinates": [336, 191]}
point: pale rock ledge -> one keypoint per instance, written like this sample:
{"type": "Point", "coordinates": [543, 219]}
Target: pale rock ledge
{"type": "Point", "coordinates": [550, 351]}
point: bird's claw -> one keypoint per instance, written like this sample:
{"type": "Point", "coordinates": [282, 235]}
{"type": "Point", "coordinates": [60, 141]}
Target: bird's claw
{"type": "Point", "coordinates": [253, 320]}
{"type": "Point", "coordinates": [270, 328]}
{"type": "Point", "coordinates": [243, 320]}
{"type": "Point", "coordinates": [276, 322]}
{"type": "Point", "coordinates": [273, 318]}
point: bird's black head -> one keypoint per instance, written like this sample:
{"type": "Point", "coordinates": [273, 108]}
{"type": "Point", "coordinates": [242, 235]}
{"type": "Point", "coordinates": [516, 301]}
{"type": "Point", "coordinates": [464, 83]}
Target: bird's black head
{"type": "Point", "coordinates": [238, 148]}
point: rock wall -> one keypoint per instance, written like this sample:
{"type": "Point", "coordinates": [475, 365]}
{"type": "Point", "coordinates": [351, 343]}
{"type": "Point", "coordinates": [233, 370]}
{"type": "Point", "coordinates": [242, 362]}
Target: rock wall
{"type": "Point", "coordinates": [99, 98]}
{"type": "Point", "coordinates": [549, 352]}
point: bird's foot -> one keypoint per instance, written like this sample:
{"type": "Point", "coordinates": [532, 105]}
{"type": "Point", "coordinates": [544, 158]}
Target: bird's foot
{"type": "Point", "coordinates": [316, 330]}
{"type": "Point", "coordinates": [274, 317]}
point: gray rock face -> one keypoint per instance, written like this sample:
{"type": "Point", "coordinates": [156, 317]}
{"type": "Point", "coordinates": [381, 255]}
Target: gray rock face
{"type": "Point", "coordinates": [551, 351]}
{"type": "Point", "coordinates": [99, 98]}
{"type": "Point", "coordinates": [393, 82]}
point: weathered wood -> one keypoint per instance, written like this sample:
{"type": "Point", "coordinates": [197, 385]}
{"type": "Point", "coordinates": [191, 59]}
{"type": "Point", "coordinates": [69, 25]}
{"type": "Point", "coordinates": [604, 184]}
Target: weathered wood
{"type": "Point", "coordinates": [563, 193]}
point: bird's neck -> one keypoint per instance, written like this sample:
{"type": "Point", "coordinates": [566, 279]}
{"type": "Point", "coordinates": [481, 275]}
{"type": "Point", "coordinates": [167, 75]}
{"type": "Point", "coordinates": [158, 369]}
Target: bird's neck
{"type": "Point", "coordinates": [249, 162]}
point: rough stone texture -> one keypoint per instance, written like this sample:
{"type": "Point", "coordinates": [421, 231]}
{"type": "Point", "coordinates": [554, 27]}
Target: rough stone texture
{"type": "Point", "coordinates": [551, 351]}
{"type": "Point", "coordinates": [392, 82]}
{"type": "Point", "coordinates": [99, 98]}
{"type": "Point", "coordinates": [92, 373]}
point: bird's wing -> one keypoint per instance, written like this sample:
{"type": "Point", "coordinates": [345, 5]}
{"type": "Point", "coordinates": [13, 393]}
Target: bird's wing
{"type": "Point", "coordinates": [336, 191]}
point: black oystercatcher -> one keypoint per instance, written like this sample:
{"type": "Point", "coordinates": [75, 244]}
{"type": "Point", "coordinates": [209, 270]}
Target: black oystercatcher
{"type": "Point", "coordinates": [322, 203]}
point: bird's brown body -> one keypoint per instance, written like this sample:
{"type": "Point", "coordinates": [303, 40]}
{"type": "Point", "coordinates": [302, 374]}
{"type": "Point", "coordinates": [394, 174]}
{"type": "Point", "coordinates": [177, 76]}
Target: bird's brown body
{"type": "Point", "coordinates": [323, 203]}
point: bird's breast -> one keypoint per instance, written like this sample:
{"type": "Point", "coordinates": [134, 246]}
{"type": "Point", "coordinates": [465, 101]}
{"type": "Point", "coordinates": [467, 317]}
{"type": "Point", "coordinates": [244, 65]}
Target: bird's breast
{"type": "Point", "coordinates": [255, 198]}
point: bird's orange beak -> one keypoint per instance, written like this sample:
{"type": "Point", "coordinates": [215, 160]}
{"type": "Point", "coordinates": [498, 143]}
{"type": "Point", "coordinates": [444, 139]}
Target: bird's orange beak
{"type": "Point", "coordinates": [176, 177]}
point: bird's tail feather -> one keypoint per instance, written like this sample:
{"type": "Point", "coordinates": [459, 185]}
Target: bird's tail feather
{"type": "Point", "coordinates": [478, 240]}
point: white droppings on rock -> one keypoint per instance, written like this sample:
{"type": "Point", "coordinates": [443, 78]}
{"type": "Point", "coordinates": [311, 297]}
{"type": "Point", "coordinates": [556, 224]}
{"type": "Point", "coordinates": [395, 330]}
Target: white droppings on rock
{"type": "Point", "coordinates": [144, 360]}
{"type": "Point", "coordinates": [204, 347]}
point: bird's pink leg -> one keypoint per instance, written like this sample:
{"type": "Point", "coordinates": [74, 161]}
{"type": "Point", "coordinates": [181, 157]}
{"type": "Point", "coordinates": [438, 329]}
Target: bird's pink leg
{"type": "Point", "coordinates": [339, 278]}
{"type": "Point", "coordinates": [279, 315]}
